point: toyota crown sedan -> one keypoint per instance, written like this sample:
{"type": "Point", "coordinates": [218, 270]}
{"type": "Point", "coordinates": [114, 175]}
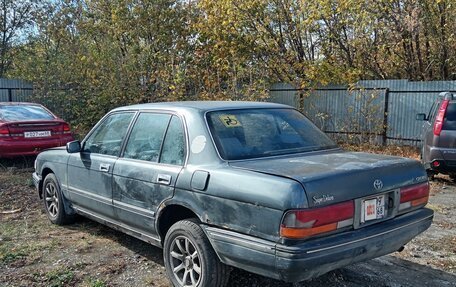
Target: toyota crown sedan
{"type": "Point", "coordinates": [251, 185]}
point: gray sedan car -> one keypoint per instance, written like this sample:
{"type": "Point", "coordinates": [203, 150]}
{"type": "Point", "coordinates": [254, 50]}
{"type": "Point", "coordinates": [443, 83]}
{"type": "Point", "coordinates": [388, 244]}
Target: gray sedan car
{"type": "Point", "coordinates": [251, 185]}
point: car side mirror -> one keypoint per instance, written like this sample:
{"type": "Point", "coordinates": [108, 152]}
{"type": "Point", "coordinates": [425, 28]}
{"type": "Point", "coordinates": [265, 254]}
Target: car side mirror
{"type": "Point", "coordinates": [421, 117]}
{"type": "Point", "coordinates": [73, 147]}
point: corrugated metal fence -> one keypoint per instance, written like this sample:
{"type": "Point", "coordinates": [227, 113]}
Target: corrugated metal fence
{"type": "Point", "coordinates": [15, 90]}
{"type": "Point", "coordinates": [380, 111]}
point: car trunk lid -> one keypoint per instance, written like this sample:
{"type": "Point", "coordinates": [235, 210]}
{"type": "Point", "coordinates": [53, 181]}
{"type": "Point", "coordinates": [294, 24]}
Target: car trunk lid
{"type": "Point", "coordinates": [337, 176]}
{"type": "Point", "coordinates": [36, 129]}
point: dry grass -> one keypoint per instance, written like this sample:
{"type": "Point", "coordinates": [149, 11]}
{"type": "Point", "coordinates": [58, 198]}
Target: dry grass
{"type": "Point", "coordinates": [404, 151]}
{"type": "Point", "coordinates": [34, 252]}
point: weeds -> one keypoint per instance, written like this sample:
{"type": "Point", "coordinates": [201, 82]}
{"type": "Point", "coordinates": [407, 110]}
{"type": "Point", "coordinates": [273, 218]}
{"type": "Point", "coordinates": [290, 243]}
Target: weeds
{"type": "Point", "coordinates": [24, 162]}
{"type": "Point", "coordinates": [97, 283]}
{"type": "Point", "coordinates": [59, 277]}
{"type": "Point", "coordinates": [13, 256]}
{"type": "Point", "coordinates": [404, 151]}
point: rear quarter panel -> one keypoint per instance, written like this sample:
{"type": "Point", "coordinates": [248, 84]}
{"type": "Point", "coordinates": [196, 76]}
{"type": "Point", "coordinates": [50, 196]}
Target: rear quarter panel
{"type": "Point", "coordinates": [243, 201]}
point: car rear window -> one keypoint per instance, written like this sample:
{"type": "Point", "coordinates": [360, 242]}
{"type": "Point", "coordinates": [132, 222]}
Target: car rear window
{"type": "Point", "coordinates": [24, 113]}
{"type": "Point", "coordinates": [449, 122]}
{"type": "Point", "coordinates": [254, 133]}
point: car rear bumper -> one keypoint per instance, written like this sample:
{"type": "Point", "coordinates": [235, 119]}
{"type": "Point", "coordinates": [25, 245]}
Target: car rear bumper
{"type": "Point", "coordinates": [312, 258]}
{"type": "Point", "coordinates": [445, 166]}
{"type": "Point", "coordinates": [15, 148]}
{"type": "Point", "coordinates": [445, 157]}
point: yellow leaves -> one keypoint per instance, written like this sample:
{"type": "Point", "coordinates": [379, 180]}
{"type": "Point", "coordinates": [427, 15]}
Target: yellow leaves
{"type": "Point", "coordinates": [133, 50]}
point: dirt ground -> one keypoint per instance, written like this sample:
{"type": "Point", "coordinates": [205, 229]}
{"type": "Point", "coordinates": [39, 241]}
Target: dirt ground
{"type": "Point", "coordinates": [34, 252]}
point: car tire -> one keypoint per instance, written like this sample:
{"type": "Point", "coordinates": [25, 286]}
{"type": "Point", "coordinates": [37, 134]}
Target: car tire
{"type": "Point", "coordinates": [53, 201]}
{"type": "Point", "coordinates": [430, 174]}
{"type": "Point", "coordinates": [453, 176]}
{"type": "Point", "coordinates": [190, 259]}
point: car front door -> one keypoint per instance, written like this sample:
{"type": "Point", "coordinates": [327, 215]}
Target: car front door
{"type": "Point", "coordinates": [145, 175]}
{"type": "Point", "coordinates": [90, 171]}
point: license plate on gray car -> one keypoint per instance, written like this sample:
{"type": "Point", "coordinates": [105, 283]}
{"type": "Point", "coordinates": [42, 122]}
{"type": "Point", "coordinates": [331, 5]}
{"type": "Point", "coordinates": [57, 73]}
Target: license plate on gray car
{"type": "Point", "coordinates": [373, 208]}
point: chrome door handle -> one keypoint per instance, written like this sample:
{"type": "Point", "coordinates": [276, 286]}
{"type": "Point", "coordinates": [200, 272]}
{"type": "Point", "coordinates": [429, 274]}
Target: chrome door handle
{"type": "Point", "coordinates": [164, 179]}
{"type": "Point", "coordinates": [104, 167]}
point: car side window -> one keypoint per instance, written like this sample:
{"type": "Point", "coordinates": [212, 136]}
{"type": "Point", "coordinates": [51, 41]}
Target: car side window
{"type": "Point", "coordinates": [173, 151]}
{"type": "Point", "coordinates": [433, 110]}
{"type": "Point", "coordinates": [146, 137]}
{"type": "Point", "coordinates": [107, 138]}
{"type": "Point", "coordinates": [449, 122]}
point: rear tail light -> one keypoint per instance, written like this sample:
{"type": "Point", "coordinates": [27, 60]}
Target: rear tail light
{"type": "Point", "coordinates": [298, 224]}
{"type": "Point", "coordinates": [4, 131]}
{"type": "Point", "coordinates": [440, 116]}
{"type": "Point", "coordinates": [413, 196]}
{"type": "Point", "coordinates": [66, 128]}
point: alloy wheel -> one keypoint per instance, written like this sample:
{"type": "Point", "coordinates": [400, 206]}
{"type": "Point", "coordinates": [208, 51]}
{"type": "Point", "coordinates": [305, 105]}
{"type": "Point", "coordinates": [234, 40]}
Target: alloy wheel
{"type": "Point", "coordinates": [52, 199]}
{"type": "Point", "coordinates": [185, 261]}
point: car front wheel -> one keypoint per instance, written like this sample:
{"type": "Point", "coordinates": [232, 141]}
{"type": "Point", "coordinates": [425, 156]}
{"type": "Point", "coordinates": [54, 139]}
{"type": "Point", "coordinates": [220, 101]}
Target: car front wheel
{"type": "Point", "coordinates": [54, 201]}
{"type": "Point", "coordinates": [190, 259]}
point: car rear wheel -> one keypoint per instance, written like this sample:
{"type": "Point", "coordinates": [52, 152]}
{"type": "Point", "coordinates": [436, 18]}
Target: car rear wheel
{"type": "Point", "coordinates": [54, 201]}
{"type": "Point", "coordinates": [190, 259]}
{"type": "Point", "coordinates": [430, 174]}
{"type": "Point", "coordinates": [453, 176]}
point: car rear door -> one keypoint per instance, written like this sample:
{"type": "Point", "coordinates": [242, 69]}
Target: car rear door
{"type": "Point", "coordinates": [146, 173]}
{"type": "Point", "coordinates": [90, 171]}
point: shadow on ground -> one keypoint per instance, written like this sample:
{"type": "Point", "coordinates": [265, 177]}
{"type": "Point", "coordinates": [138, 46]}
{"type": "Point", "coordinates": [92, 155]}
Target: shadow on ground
{"type": "Point", "coordinates": [20, 163]}
{"type": "Point", "coordinates": [380, 272]}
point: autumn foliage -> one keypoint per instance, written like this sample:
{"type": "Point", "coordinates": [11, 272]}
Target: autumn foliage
{"type": "Point", "coordinates": [88, 56]}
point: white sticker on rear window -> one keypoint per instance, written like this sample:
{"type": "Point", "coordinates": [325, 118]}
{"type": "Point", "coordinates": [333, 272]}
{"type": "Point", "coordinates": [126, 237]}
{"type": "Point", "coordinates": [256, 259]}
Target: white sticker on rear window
{"type": "Point", "coordinates": [198, 144]}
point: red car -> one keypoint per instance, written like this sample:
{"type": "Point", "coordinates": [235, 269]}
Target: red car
{"type": "Point", "coordinates": [28, 128]}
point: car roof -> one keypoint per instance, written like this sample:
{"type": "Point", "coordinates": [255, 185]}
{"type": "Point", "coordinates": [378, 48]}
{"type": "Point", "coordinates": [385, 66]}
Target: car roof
{"type": "Point", "coordinates": [203, 105]}
{"type": "Point", "coordinates": [18, 104]}
{"type": "Point", "coordinates": [447, 96]}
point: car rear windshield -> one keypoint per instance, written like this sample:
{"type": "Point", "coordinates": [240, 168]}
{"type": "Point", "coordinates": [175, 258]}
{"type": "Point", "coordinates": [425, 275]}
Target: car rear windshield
{"type": "Point", "coordinates": [449, 122]}
{"type": "Point", "coordinates": [24, 113]}
{"type": "Point", "coordinates": [254, 133]}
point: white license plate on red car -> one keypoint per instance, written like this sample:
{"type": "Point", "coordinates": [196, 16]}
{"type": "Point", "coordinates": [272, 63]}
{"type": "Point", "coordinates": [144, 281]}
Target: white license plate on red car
{"type": "Point", "coordinates": [37, 134]}
{"type": "Point", "coordinates": [373, 208]}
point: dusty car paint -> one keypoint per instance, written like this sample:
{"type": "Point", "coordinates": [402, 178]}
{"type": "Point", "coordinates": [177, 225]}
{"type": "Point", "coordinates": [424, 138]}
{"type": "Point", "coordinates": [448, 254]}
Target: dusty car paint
{"type": "Point", "coordinates": [240, 204]}
{"type": "Point", "coordinates": [352, 174]}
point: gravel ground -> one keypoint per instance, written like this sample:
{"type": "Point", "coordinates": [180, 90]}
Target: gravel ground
{"type": "Point", "coordinates": [34, 252]}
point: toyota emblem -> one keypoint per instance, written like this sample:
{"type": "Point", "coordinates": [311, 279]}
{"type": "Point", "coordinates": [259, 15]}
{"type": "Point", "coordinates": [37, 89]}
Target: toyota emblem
{"type": "Point", "coordinates": [378, 184]}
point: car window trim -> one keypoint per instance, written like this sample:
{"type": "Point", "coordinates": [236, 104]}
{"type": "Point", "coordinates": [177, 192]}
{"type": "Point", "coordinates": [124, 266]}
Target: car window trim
{"type": "Point", "coordinates": [164, 138]}
{"type": "Point", "coordinates": [127, 137]}
{"type": "Point", "coordinates": [432, 110]}
{"type": "Point", "coordinates": [103, 119]}
{"type": "Point", "coordinates": [127, 134]}
{"type": "Point", "coordinates": [168, 112]}
{"type": "Point", "coordinates": [337, 147]}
